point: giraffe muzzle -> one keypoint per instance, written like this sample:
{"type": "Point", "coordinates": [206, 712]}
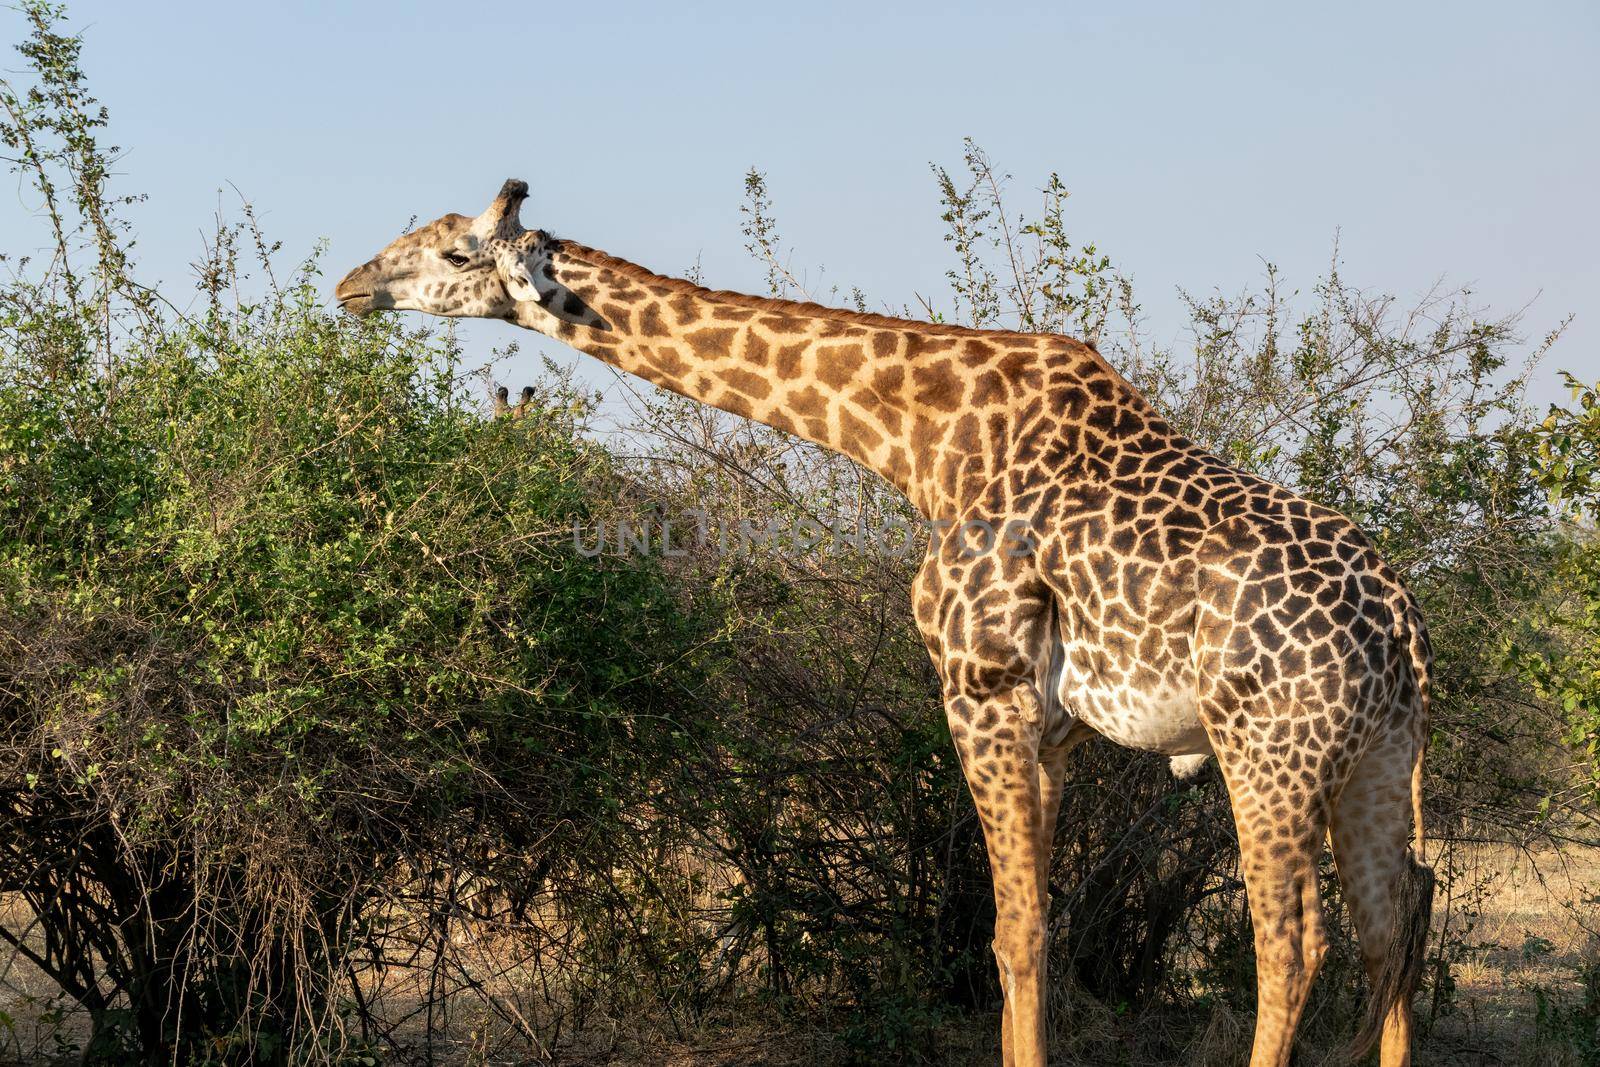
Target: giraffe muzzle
{"type": "Point", "coordinates": [358, 293]}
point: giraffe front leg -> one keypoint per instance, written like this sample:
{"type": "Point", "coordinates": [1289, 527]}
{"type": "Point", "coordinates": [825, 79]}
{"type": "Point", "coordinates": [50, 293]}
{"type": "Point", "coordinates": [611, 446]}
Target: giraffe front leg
{"type": "Point", "coordinates": [988, 623]}
{"type": "Point", "coordinates": [997, 738]}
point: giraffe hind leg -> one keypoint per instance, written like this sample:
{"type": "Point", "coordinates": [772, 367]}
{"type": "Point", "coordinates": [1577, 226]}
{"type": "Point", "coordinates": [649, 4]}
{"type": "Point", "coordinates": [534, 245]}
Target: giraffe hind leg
{"type": "Point", "coordinates": [1388, 892]}
{"type": "Point", "coordinates": [1281, 820]}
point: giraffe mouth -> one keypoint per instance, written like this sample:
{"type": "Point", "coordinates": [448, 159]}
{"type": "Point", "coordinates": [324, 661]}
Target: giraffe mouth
{"type": "Point", "coordinates": [356, 303]}
{"type": "Point", "coordinates": [361, 302]}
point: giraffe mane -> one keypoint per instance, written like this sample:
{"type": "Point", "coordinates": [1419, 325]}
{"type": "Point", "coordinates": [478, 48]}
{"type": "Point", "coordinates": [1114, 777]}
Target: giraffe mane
{"type": "Point", "coordinates": [627, 268]}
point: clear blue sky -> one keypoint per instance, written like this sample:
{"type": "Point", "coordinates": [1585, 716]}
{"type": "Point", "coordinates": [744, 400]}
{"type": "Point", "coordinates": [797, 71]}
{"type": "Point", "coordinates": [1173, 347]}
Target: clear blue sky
{"type": "Point", "coordinates": [1460, 140]}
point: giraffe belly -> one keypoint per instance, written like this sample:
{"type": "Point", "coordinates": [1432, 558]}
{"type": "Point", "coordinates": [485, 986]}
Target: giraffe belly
{"type": "Point", "coordinates": [1161, 719]}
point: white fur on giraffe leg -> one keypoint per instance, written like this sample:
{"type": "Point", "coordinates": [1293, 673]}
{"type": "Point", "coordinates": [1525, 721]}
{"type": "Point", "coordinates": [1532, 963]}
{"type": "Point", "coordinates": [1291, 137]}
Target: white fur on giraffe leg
{"type": "Point", "coordinates": [1185, 767]}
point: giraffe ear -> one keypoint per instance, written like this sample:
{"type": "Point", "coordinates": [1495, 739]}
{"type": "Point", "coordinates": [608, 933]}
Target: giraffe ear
{"type": "Point", "coordinates": [513, 268]}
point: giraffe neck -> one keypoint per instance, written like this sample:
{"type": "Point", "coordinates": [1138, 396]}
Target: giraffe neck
{"type": "Point", "coordinates": [933, 409]}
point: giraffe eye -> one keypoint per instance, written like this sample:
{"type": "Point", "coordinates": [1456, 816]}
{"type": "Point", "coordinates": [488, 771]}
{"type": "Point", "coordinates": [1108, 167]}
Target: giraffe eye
{"type": "Point", "coordinates": [456, 259]}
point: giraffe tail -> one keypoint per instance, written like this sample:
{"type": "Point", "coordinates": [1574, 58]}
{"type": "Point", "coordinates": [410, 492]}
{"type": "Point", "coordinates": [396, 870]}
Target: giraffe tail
{"type": "Point", "coordinates": [1422, 671]}
{"type": "Point", "coordinates": [1401, 971]}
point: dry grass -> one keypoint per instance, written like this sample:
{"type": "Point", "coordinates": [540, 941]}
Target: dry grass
{"type": "Point", "coordinates": [1532, 926]}
{"type": "Point", "coordinates": [1522, 925]}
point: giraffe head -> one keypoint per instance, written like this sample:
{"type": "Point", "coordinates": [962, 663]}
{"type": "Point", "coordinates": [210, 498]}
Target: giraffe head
{"type": "Point", "coordinates": [455, 266]}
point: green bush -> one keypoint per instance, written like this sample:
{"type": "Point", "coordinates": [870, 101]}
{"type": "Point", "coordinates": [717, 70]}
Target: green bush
{"type": "Point", "coordinates": [285, 621]}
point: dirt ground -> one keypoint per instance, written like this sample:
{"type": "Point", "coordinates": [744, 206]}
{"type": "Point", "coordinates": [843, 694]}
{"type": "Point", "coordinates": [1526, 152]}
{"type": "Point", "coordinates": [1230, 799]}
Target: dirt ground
{"type": "Point", "coordinates": [1523, 928]}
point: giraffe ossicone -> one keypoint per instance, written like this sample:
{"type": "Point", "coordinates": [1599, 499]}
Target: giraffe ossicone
{"type": "Point", "coordinates": [1172, 602]}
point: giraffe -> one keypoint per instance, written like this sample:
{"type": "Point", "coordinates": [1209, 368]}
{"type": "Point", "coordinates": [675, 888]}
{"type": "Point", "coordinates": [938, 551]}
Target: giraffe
{"type": "Point", "coordinates": [502, 406]}
{"type": "Point", "coordinates": [1167, 600]}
